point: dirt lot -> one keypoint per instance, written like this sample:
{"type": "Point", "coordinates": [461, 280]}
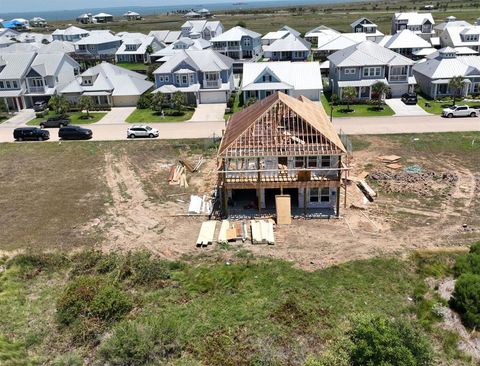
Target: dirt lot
{"type": "Point", "coordinates": [124, 201]}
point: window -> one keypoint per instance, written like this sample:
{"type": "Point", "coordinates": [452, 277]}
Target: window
{"type": "Point", "coordinates": [325, 195]}
{"type": "Point", "coordinates": [314, 195]}
{"type": "Point", "coordinates": [299, 162]}
{"type": "Point", "coordinates": [350, 71]}
{"type": "Point", "coordinates": [7, 83]}
{"type": "Point", "coordinates": [1, 85]}
{"type": "Point", "coordinates": [267, 78]}
{"type": "Point", "coordinates": [192, 78]}
{"type": "Point", "coordinates": [161, 79]}
{"type": "Point", "coordinates": [184, 79]}
{"type": "Point", "coordinates": [371, 71]}
{"type": "Point", "coordinates": [326, 161]}
{"type": "Point", "coordinates": [247, 42]}
{"type": "Point", "coordinates": [15, 84]}
{"type": "Point", "coordinates": [312, 161]}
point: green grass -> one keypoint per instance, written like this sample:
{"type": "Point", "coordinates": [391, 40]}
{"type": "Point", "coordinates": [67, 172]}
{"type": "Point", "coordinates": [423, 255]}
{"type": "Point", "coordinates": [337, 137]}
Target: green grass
{"type": "Point", "coordinates": [356, 110]}
{"type": "Point", "coordinates": [437, 106]}
{"type": "Point", "coordinates": [133, 66]}
{"type": "Point", "coordinates": [236, 107]}
{"type": "Point", "coordinates": [76, 118]}
{"type": "Point", "coordinates": [150, 116]}
{"type": "Point", "coordinates": [252, 310]}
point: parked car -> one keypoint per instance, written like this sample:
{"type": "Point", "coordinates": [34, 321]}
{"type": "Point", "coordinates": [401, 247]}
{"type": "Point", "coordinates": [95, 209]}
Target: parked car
{"type": "Point", "coordinates": [40, 106]}
{"type": "Point", "coordinates": [56, 121]}
{"type": "Point", "coordinates": [142, 131]}
{"type": "Point", "coordinates": [409, 98]}
{"type": "Point", "coordinates": [459, 111]}
{"type": "Point", "coordinates": [30, 133]}
{"type": "Point", "coordinates": [74, 133]}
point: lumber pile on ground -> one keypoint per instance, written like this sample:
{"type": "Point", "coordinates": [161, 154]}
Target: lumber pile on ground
{"type": "Point", "coordinates": [206, 234]}
{"type": "Point", "coordinates": [200, 205]}
{"type": "Point", "coordinates": [231, 231]}
{"type": "Point", "coordinates": [178, 173]}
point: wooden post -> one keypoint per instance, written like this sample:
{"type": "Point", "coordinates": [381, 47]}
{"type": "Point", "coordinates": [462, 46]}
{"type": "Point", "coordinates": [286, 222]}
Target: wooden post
{"type": "Point", "coordinates": [305, 202]}
{"type": "Point", "coordinates": [225, 200]}
{"type": "Point", "coordinates": [259, 199]}
{"type": "Point", "coordinates": [259, 176]}
{"type": "Point", "coordinates": [338, 199]}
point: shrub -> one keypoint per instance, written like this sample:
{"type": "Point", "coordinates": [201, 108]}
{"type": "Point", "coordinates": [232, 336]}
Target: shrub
{"type": "Point", "coordinates": [69, 359]}
{"type": "Point", "coordinates": [90, 297]}
{"type": "Point", "coordinates": [140, 342]}
{"type": "Point", "coordinates": [174, 113]}
{"type": "Point", "coordinates": [379, 341]}
{"type": "Point", "coordinates": [29, 265]}
{"type": "Point", "coordinates": [469, 263]}
{"type": "Point", "coordinates": [231, 101]}
{"type": "Point", "coordinates": [40, 114]}
{"type": "Point", "coordinates": [466, 298]}
{"type": "Point", "coordinates": [145, 101]}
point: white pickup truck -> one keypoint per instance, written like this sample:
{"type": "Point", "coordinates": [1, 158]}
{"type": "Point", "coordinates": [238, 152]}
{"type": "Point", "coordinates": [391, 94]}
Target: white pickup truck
{"type": "Point", "coordinates": [460, 111]}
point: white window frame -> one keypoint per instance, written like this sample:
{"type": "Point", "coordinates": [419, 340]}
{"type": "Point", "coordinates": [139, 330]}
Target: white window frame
{"type": "Point", "coordinates": [350, 71]}
{"type": "Point", "coordinates": [372, 71]}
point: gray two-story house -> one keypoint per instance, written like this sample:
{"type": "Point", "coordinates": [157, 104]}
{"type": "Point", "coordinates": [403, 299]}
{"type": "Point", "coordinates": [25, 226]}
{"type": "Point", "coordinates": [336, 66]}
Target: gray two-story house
{"type": "Point", "coordinates": [98, 44]}
{"type": "Point", "coordinates": [419, 23]}
{"type": "Point", "coordinates": [362, 65]}
{"type": "Point", "coordinates": [204, 76]}
{"type": "Point", "coordinates": [202, 29]}
{"type": "Point", "coordinates": [239, 44]}
{"type": "Point", "coordinates": [70, 34]}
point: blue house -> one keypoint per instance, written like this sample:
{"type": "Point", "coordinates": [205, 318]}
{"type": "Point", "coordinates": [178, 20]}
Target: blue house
{"type": "Point", "coordinates": [205, 76]}
{"type": "Point", "coordinates": [98, 43]}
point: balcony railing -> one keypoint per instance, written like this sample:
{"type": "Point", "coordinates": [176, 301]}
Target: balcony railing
{"type": "Point", "coordinates": [286, 175]}
{"type": "Point", "coordinates": [36, 89]}
{"type": "Point", "coordinates": [211, 84]}
{"type": "Point", "coordinates": [398, 78]}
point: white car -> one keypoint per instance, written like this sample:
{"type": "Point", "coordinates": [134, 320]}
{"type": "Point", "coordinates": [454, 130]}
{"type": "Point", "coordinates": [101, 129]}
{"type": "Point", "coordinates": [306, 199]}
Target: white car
{"type": "Point", "coordinates": [142, 131]}
{"type": "Point", "coordinates": [460, 111]}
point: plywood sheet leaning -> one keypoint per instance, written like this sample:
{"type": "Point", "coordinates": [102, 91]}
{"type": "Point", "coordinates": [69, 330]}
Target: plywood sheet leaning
{"type": "Point", "coordinates": [206, 234]}
{"type": "Point", "coordinates": [222, 235]}
{"type": "Point", "coordinates": [256, 232]}
{"type": "Point", "coordinates": [284, 209]}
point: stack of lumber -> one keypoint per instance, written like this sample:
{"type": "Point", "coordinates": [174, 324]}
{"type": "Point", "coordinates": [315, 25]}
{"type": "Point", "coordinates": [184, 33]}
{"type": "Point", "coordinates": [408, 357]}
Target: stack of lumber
{"type": "Point", "coordinates": [391, 161]}
{"type": "Point", "coordinates": [178, 176]}
{"type": "Point", "coordinates": [232, 231]}
{"type": "Point", "coordinates": [206, 234]}
{"type": "Point", "coordinates": [200, 205]}
{"type": "Point", "coordinates": [262, 232]}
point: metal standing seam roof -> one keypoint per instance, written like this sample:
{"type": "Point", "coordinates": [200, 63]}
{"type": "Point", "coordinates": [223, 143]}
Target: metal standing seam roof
{"type": "Point", "coordinates": [363, 82]}
{"type": "Point", "coordinates": [367, 53]}
{"type": "Point", "coordinates": [439, 67]}
{"type": "Point", "coordinates": [235, 34]}
{"type": "Point", "coordinates": [16, 65]}
{"type": "Point", "coordinates": [98, 37]}
{"type": "Point", "coordinates": [404, 39]}
{"type": "Point", "coordinates": [289, 43]}
{"type": "Point", "coordinates": [414, 18]}
{"type": "Point", "coordinates": [203, 60]}
{"type": "Point", "coordinates": [70, 31]}
{"type": "Point", "coordinates": [311, 112]}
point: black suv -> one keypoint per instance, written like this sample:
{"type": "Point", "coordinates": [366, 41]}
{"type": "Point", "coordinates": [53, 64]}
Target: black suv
{"type": "Point", "coordinates": [56, 121]}
{"type": "Point", "coordinates": [40, 106]}
{"type": "Point", "coordinates": [30, 133]}
{"type": "Point", "coordinates": [74, 133]}
{"type": "Point", "coordinates": [409, 98]}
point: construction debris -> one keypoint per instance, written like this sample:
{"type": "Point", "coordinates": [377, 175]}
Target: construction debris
{"type": "Point", "coordinates": [262, 232]}
{"type": "Point", "coordinates": [200, 205]}
{"type": "Point", "coordinates": [232, 231]}
{"type": "Point", "coordinates": [389, 158]}
{"type": "Point", "coordinates": [206, 234]}
{"type": "Point", "coordinates": [369, 193]}
{"type": "Point", "coordinates": [394, 166]}
{"type": "Point", "coordinates": [178, 173]}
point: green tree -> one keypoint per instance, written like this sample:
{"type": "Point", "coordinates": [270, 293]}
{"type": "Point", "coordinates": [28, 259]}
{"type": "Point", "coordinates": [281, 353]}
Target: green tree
{"type": "Point", "coordinates": [178, 100]}
{"type": "Point", "coordinates": [349, 94]}
{"type": "Point", "coordinates": [86, 103]}
{"type": "Point", "coordinates": [242, 24]}
{"type": "Point", "coordinates": [457, 86]}
{"type": "Point", "coordinates": [158, 102]}
{"type": "Point", "coordinates": [250, 101]}
{"type": "Point", "coordinates": [380, 341]}
{"type": "Point", "coordinates": [380, 90]}
{"type": "Point", "coordinates": [59, 104]}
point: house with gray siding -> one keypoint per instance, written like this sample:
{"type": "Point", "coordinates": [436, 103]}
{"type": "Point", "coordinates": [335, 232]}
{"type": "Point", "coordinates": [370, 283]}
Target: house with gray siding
{"type": "Point", "coordinates": [365, 25]}
{"type": "Point", "coordinates": [434, 74]}
{"type": "Point", "coordinates": [204, 76]}
{"type": "Point", "coordinates": [70, 34]}
{"type": "Point", "coordinates": [362, 65]}
{"type": "Point", "coordinates": [98, 43]}
{"type": "Point", "coordinates": [419, 23]}
{"type": "Point", "coordinates": [202, 29]}
{"type": "Point", "coordinates": [239, 44]}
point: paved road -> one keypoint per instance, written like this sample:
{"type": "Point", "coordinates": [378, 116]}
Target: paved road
{"type": "Point", "coordinates": [354, 126]}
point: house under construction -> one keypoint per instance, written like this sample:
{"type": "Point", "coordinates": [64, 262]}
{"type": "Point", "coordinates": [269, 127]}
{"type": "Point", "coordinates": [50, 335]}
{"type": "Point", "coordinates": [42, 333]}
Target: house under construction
{"type": "Point", "coordinates": [285, 146]}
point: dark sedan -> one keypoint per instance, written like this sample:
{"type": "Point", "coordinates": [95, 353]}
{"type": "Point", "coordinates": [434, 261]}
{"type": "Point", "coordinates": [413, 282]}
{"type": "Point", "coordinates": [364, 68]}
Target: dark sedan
{"type": "Point", "coordinates": [74, 133]}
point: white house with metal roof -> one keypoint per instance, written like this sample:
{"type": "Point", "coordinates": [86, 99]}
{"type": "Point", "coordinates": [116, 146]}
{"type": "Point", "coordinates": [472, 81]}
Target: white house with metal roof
{"type": "Point", "coordinates": [103, 18]}
{"type": "Point", "coordinates": [461, 36]}
{"type": "Point", "coordinates": [434, 73]}
{"type": "Point", "coordinates": [289, 48]}
{"type": "Point", "coordinates": [362, 65]}
{"type": "Point", "coordinates": [204, 76]}
{"type": "Point", "coordinates": [165, 36]}
{"type": "Point", "coordinates": [420, 23]}
{"type": "Point", "coordinates": [262, 79]}
{"type": "Point", "coordinates": [108, 84]}
{"type": "Point", "coordinates": [239, 43]}
{"type": "Point", "coordinates": [132, 15]}
{"type": "Point", "coordinates": [205, 29]}
{"type": "Point", "coordinates": [97, 44]}
{"type": "Point", "coordinates": [365, 25]}
{"type": "Point", "coordinates": [137, 48]}
{"type": "Point", "coordinates": [406, 43]}
{"type": "Point", "coordinates": [180, 45]}
{"type": "Point", "coordinates": [450, 21]}
{"type": "Point", "coordinates": [70, 34]}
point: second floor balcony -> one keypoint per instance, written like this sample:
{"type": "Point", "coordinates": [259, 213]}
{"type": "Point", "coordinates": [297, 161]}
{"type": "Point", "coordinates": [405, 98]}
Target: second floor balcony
{"type": "Point", "coordinates": [212, 84]}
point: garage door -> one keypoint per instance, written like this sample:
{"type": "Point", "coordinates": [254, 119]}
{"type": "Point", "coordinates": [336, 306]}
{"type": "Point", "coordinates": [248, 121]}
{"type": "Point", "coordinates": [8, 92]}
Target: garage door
{"type": "Point", "coordinates": [213, 97]}
{"type": "Point", "coordinates": [125, 101]}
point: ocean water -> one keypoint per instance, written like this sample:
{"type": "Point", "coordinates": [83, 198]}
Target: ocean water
{"type": "Point", "coordinates": [153, 10]}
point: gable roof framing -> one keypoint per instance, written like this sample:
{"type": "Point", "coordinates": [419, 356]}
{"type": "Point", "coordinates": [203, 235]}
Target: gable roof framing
{"type": "Point", "coordinates": [281, 125]}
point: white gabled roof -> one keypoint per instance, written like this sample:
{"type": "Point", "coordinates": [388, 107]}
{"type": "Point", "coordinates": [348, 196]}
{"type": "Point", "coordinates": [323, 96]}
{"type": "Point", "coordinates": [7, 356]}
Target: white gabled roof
{"type": "Point", "coordinates": [112, 79]}
{"type": "Point", "coordinates": [142, 48]}
{"type": "Point", "coordinates": [235, 34]}
{"type": "Point", "coordinates": [297, 75]}
{"type": "Point", "coordinates": [290, 30]}
{"type": "Point", "coordinates": [414, 18]}
{"type": "Point", "coordinates": [367, 53]}
{"type": "Point", "coordinates": [276, 35]}
{"type": "Point", "coordinates": [103, 15]}
{"type": "Point", "coordinates": [404, 39]}
{"type": "Point", "coordinates": [131, 13]}
{"type": "Point", "coordinates": [358, 21]}
{"type": "Point", "coordinates": [203, 60]}
{"type": "Point", "coordinates": [193, 44]}
{"type": "Point", "coordinates": [342, 41]}
{"type": "Point", "coordinates": [455, 35]}
{"type": "Point", "coordinates": [70, 31]}
{"type": "Point", "coordinates": [47, 64]}
{"type": "Point", "coordinates": [289, 43]}
{"type": "Point", "coordinates": [57, 47]}
{"type": "Point", "coordinates": [438, 67]}
{"type": "Point", "coordinates": [21, 47]}
{"type": "Point", "coordinates": [15, 65]}
{"type": "Point", "coordinates": [98, 37]}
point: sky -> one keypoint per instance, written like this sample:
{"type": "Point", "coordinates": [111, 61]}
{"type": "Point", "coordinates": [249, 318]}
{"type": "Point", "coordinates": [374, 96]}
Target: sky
{"type": "Point", "coordinates": [8, 6]}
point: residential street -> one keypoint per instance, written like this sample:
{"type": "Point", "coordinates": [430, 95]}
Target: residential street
{"type": "Point", "coordinates": [354, 126]}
